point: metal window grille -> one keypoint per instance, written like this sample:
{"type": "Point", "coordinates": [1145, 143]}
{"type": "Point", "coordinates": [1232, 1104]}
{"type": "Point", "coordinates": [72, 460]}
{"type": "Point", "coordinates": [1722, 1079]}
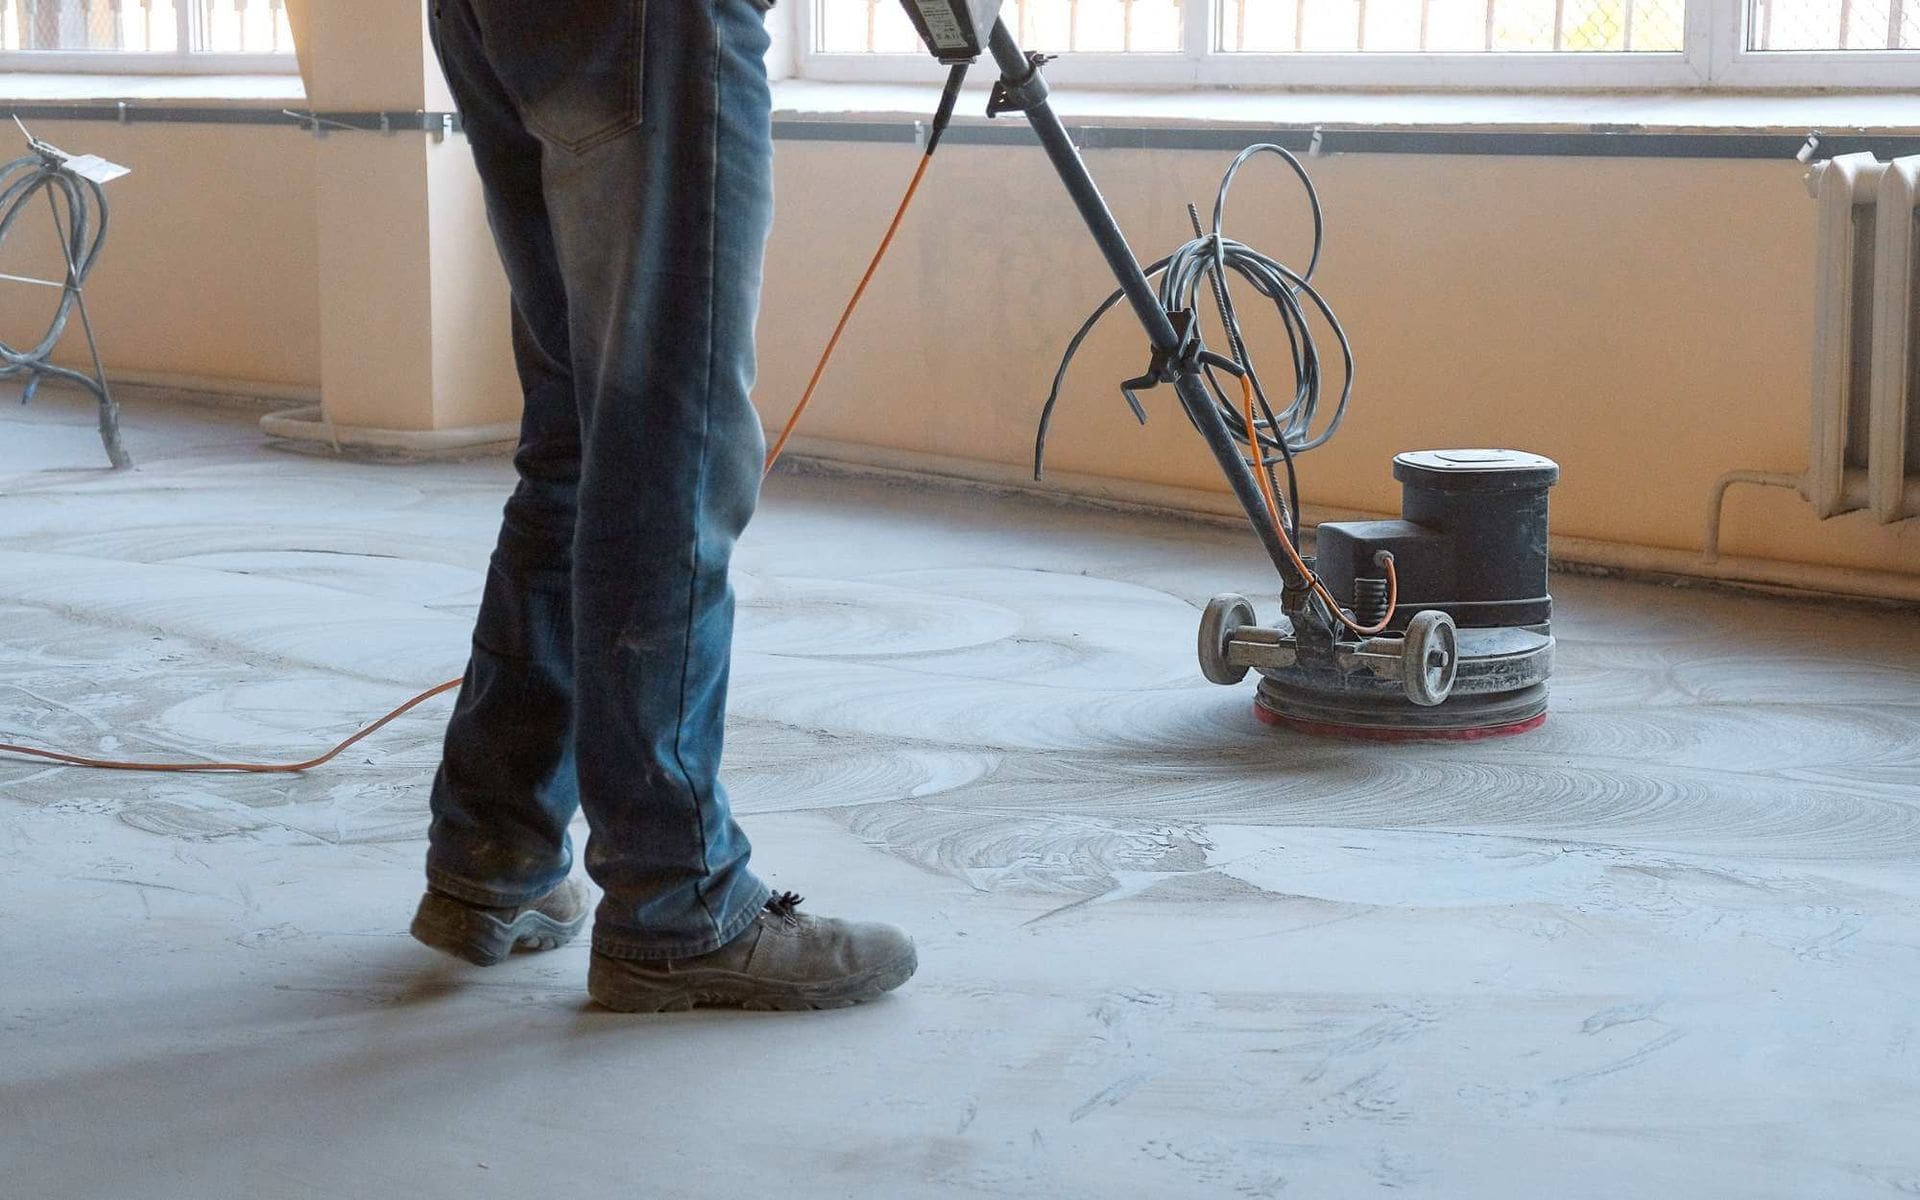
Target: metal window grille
{"type": "Point", "coordinates": [1834, 25]}
{"type": "Point", "coordinates": [1348, 26]}
{"type": "Point", "coordinates": [1453, 26]}
{"type": "Point", "coordinates": [1053, 26]}
{"type": "Point", "coordinates": [146, 26]}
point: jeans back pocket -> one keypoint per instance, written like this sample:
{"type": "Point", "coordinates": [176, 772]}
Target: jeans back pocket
{"type": "Point", "coordinates": [573, 67]}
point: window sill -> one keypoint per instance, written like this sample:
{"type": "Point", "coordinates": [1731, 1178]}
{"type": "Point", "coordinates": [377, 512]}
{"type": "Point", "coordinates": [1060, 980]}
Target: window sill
{"type": "Point", "coordinates": [59, 87]}
{"type": "Point", "coordinates": [1712, 113]}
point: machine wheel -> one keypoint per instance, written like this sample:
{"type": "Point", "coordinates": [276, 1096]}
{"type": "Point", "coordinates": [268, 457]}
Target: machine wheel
{"type": "Point", "coordinates": [1431, 658]}
{"type": "Point", "coordinates": [1224, 615]}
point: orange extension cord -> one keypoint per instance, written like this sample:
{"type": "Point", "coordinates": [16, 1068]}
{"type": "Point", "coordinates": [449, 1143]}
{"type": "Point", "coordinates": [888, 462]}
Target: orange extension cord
{"type": "Point", "coordinates": [826, 356]}
{"type": "Point", "coordinates": [833, 343]}
{"type": "Point", "coordinates": [109, 764]}
{"type": "Point", "coordinates": [1273, 514]}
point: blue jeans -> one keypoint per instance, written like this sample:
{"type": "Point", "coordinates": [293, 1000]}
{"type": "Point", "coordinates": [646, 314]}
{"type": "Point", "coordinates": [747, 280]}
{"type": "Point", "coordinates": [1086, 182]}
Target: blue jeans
{"type": "Point", "coordinates": [626, 152]}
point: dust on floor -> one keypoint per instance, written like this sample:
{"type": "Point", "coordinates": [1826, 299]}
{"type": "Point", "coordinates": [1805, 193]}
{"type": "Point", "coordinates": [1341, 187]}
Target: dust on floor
{"type": "Point", "coordinates": [1667, 946]}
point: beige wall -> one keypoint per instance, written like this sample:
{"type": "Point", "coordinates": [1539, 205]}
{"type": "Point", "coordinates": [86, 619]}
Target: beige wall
{"type": "Point", "coordinates": [211, 255]}
{"type": "Point", "coordinates": [411, 294]}
{"type": "Point", "coordinates": [1645, 322]}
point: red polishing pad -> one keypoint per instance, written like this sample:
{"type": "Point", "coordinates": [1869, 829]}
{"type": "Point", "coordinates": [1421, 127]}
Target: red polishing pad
{"type": "Point", "coordinates": [1373, 734]}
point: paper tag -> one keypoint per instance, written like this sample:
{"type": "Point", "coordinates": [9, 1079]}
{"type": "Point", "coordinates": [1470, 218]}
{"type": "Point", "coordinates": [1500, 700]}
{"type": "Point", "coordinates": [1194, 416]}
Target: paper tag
{"type": "Point", "coordinates": [86, 166]}
{"type": "Point", "coordinates": [92, 166]}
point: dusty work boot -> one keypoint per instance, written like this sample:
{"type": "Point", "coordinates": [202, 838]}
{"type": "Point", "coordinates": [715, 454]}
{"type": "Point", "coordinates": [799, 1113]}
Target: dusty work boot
{"type": "Point", "coordinates": [483, 936]}
{"type": "Point", "coordinates": [785, 960]}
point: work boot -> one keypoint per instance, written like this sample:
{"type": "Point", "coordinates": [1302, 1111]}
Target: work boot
{"type": "Point", "coordinates": [785, 960]}
{"type": "Point", "coordinates": [483, 936]}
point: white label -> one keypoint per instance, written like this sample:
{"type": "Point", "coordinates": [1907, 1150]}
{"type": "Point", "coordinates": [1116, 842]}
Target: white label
{"type": "Point", "coordinates": [943, 25]}
{"type": "Point", "coordinates": [92, 166]}
{"type": "Point", "coordinates": [86, 166]}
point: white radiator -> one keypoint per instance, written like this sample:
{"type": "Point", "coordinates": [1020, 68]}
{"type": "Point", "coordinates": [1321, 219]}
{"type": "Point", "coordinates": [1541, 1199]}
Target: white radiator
{"type": "Point", "coordinates": [1865, 446]}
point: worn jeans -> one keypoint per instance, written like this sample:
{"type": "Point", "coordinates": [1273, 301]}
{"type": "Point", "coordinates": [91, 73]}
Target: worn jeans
{"type": "Point", "coordinates": [625, 148]}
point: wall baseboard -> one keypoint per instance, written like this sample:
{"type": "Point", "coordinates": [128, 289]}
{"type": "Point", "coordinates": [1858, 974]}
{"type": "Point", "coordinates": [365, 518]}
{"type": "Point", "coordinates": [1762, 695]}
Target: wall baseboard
{"type": "Point", "coordinates": [307, 429]}
{"type": "Point", "coordinates": [201, 391]}
{"type": "Point", "coordinates": [1572, 554]}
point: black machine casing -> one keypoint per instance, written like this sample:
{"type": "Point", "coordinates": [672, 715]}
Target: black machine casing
{"type": "Point", "coordinates": [1471, 539]}
{"type": "Point", "coordinates": [955, 30]}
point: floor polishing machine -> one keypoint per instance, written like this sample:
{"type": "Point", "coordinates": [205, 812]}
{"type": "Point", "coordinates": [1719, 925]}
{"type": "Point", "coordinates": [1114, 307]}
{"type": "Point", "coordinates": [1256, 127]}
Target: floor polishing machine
{"type": "Point", "coordinates": [1435, 625]}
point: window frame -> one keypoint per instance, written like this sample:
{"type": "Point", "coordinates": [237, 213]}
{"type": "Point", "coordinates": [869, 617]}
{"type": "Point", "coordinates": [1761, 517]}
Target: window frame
{"type": "Point", "coordinates": [1715, 57]}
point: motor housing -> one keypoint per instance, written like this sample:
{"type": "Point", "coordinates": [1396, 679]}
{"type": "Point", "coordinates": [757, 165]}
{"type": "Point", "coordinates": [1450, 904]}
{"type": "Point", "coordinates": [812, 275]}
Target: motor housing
{"type": "Point", "coordinates": [1470, 648]}
{"type": "Point", "coordinates": [1471, 540]}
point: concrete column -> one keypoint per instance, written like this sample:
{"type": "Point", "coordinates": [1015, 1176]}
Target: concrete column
{"type": "Point", "coordinates": [298, 14]}
{"type": "Point", "coordinates": [413, 306]}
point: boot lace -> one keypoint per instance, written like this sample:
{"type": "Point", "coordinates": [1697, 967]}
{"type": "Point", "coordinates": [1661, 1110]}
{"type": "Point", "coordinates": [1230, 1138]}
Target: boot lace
{"type": "Point", "coordinates": [783, 904]}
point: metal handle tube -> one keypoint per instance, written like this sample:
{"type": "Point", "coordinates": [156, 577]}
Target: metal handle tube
{"type": "Point", "coordinates": [1106, 231]}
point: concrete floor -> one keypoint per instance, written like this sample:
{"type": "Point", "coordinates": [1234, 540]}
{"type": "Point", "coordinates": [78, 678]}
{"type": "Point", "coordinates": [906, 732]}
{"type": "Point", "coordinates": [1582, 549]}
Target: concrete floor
{"type": "Point", "coordinates": [1669, 946]}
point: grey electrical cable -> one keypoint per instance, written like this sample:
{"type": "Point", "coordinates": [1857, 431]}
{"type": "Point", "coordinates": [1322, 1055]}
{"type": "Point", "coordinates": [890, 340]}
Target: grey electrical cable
{"type": "Point", "coordinates": [1207, 261]}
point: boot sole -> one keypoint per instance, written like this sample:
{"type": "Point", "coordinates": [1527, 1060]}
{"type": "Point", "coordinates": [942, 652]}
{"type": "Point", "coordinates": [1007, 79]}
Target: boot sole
{"type": "Point", "coordinates": [483, 939]}
{"type": "Point", "coordinates": [614, 989]}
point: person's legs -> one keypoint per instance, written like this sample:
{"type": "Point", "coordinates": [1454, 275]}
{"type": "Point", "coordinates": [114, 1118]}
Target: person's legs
{"type": "Point", "coordinates": [506, 789]}
{"type": "Point", "coordinates": [626, 151]}
{"type": "Point", "coordinates": [660, 231]}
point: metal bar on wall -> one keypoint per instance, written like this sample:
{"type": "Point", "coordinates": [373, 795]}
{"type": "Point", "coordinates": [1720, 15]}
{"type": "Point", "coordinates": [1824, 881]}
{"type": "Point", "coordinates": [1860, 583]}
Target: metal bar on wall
{"type": "Point", "coordinates": [1511, 142]}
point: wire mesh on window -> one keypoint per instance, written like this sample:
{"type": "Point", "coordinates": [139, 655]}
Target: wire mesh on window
{"type": "Point", "coordinates": [1053, 26]}
{"type": "Point", "coordinates": [1453, 26]}
{"type": "Point", "coordinates": [1834, 25]}
{"type": "Point", "coordinates": [139, 25]}
{"type": "Point", "coordinates": [146, 26]}
{"type": "Point", "coordinates": [243, 27]}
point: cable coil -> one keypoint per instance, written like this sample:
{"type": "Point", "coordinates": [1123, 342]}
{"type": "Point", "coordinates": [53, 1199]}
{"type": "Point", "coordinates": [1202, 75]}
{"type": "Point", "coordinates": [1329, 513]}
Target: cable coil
{"type": "Point", "coordinates": [1208, 260]}
{"type": "Point", "coordinates": [1271, 437]}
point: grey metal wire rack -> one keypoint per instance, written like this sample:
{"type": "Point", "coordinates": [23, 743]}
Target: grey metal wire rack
{"type": "Point", "coordinates": [78, 208]}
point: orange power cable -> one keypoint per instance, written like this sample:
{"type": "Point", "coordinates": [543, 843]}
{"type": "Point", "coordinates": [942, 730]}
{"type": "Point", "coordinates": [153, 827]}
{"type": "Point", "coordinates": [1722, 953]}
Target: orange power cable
{"type": "Point", "coordinates": [109, 764]}
{"type": "Point", "coordinates": [833, 343]}
{"type": "Point", "coordinates": [1273, 514]}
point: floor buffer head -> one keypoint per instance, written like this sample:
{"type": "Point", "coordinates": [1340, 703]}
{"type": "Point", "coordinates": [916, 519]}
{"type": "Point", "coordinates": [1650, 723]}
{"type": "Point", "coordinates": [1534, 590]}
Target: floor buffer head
{"type": "Point", "coordinates": [1470, 644]}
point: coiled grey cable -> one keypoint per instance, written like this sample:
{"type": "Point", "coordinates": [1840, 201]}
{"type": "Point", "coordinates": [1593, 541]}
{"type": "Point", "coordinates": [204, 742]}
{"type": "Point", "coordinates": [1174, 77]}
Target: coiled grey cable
{"type": "Point", "coordinates": [1211, 260]}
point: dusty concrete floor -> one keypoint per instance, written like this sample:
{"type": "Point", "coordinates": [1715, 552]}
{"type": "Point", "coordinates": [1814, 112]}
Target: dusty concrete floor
{"type": "Point", "coordinates": [1669, 946]}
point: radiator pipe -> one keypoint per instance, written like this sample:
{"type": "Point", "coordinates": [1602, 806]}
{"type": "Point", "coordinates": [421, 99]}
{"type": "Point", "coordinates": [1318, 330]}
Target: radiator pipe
{"type": "Point", "coordinates": [1717, 503]}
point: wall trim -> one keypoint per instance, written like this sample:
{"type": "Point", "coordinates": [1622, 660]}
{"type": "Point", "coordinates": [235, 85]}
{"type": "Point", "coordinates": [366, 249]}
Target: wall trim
{"type": "Point", "coordinates": [1323, 140]}
{"type": "Point", "coordinates": [201, 391]}
{"type": "Point", "coordinates": [137, 112]}
{"type": "Point", "coordinates": [206, 391]}
{"type": "Point", "coordinates": [1598, 142]}
{"type": "Point", "coordinates": [306, 428]}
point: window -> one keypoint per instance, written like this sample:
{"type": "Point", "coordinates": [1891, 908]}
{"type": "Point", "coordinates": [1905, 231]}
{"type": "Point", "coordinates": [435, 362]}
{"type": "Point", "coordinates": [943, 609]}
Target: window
{"type": "Point", "coordinates": [1086, 25]}
{"type": "Point", "coordinates": [145, 35]}
{"type": "Point", "coordinates": [1415, 43]}
{"type": "Point", "coordinates": [1835, 25]}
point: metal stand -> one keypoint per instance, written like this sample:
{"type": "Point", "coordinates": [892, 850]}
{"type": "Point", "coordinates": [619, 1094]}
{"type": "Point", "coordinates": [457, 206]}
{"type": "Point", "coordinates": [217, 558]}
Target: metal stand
{"type": "Point", "coordinates": [1176, 353]}
{"type": "Point", "coordinates": [78, 207]}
